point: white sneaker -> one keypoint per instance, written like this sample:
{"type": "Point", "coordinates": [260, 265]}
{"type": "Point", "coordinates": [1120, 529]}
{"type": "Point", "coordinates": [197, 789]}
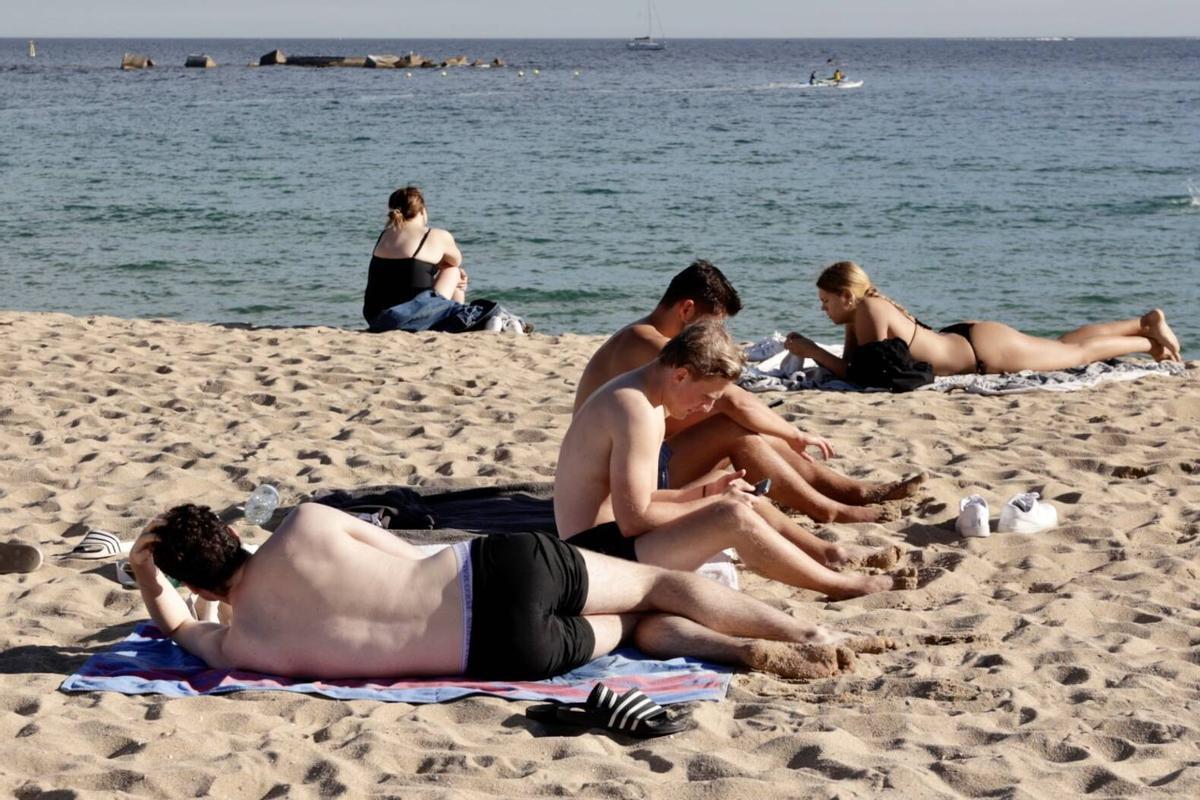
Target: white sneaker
{"type": "Point", "coordinates": [1024, 514]}
{"type": "Point", "coordinates": [973, 517]}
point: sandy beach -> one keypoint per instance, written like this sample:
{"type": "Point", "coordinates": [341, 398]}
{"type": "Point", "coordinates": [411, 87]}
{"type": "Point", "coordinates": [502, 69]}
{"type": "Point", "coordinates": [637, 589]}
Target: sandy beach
{"type": "Point", "coordinates": [1056, 665]}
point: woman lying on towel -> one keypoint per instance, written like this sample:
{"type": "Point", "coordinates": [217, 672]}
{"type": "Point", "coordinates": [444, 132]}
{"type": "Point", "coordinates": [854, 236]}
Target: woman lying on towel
{"type": "Point", "coordinates": [874, 321]}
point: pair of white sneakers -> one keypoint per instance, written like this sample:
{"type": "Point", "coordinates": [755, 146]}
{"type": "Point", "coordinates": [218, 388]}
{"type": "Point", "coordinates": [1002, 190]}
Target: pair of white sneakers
{"type": "Point", "coordinates": [1021, 514]}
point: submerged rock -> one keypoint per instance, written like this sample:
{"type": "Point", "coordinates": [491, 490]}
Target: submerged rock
{"type": "Point", "coordinates": [414, 60]}
{"type": "Point", "coordinates": [382, 62]}
{"type": "Point", "coordinates": [136, 61]}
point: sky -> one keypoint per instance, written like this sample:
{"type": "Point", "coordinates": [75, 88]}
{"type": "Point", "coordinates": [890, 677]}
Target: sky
{"type": "Point", "coordinates": [469, 19]}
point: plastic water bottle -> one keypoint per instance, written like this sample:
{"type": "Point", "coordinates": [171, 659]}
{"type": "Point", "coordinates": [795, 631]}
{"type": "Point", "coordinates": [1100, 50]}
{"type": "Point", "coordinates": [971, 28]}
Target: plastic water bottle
{"type": "Point", "coordinates": [261, 504]}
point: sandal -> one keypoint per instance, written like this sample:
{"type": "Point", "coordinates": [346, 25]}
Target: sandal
{"type": "Point", "coordinates": [99, 544]}
{"type": "Point", "coordinates": [18, 557]}
{"type": "Point", "coordinates": [632, 713]}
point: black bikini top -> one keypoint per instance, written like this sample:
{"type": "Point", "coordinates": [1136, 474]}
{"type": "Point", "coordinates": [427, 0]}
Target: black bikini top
{"type": "Point", "coordinates": [392, 281]}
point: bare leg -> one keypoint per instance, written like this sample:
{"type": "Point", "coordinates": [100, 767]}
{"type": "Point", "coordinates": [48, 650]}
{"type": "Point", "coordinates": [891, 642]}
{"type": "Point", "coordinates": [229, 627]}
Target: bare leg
{"type": "Point", "coordinates": [1152, 325]}
{"type": "Point", "coordinates": [612, 629]}
{"type": "Point", "coordinates": [827, 553]}
{"type": "Point", "coordinates": [843, 488]}
{"type": "Point", "coordinates": [1005, 349]}
{"type": "Point", "coordinates": [446, 283]}
{"type": "Point", "coordinates": [699, 448]}
{"type": "Point", "coordinates": [689, 541]}
{"type": "Point", "coordinates": [617, 587]}
{"type": "Point", "coordinates": [665, 636]}
{"type": "Point", "coordinates": [1122, 327]}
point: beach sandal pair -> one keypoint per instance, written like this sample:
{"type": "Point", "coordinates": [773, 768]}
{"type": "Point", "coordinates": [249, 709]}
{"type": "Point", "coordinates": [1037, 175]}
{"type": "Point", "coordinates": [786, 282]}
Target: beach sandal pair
{"type": "Point", "coordinates": [632, 713]}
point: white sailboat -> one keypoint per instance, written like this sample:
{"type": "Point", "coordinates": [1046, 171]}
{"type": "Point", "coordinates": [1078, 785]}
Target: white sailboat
{"type": "Point", "coordinates": [647, 42]}
{"type": "Point", "coordinates": [32, 49]}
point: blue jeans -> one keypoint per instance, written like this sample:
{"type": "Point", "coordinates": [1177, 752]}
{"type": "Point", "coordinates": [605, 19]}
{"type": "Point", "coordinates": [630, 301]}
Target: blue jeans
{"type": "Point", "coordinates": [421, 313]}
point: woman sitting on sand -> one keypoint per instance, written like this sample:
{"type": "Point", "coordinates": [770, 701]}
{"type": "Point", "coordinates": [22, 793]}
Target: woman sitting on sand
{"type": "Point", "coordinates": [410, 258]}
{"type": "Point", "coordinates": [849, 298]}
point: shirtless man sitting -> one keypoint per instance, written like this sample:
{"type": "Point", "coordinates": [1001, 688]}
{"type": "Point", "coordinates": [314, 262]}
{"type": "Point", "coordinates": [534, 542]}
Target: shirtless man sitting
{"type": "Point", "coordinates": [738, 428]}
{"type": "Point", "coordinates": [606, 495]}
{"type": "Point", "coordinates": [330, 596]}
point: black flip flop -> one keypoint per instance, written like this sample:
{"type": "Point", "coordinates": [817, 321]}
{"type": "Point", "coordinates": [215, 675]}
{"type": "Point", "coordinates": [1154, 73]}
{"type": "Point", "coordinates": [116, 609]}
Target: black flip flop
{"type": "Point", "coordinates": [632, 713]}
{"type": "Point", "coordinates": [17, 557]}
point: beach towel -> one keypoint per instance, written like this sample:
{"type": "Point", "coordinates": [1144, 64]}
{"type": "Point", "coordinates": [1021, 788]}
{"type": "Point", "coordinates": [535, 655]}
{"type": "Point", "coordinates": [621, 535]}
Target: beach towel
{"type": "Point", "coordinates": [431, 518]}
{"type": "Point", "coordinates": [773, 369]}
{"type": "Point", "coordinates": [511, 508]}
{"type": "Point", "coordinates": [146, 662]}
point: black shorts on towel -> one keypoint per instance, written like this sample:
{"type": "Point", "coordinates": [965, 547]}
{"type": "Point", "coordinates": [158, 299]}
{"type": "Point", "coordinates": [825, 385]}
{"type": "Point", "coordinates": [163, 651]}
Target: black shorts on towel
{"type": "Point", "coordinates": [528, 592]}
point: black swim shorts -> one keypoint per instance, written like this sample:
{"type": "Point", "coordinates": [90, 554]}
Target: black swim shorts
{"type": "Point", "coordinates": [528, 591]}
{"type": "Point", "coordinates": [606, 538]}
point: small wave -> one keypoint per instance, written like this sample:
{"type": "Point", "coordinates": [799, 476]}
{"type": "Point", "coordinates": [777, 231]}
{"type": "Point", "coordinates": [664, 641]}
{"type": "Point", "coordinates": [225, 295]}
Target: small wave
{"type": "Point", "coordinates": [587, 297]}
{"type": "Point", "coordinates": [258, 308]}
{"type": "Point", "coordinates": [143, 266]}
{"type": "Point", "coordinates": [1194, 192]}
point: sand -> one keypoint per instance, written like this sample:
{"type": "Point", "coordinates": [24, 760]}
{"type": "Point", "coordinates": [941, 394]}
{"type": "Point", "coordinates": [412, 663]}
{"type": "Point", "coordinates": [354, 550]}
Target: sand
{"type": "Point", "coordinates": [1059, 664]}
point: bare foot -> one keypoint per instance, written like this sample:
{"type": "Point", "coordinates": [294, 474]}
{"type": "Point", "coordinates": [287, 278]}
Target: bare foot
{"type": "Point", "coordinates": [1154, 323]}
{"type": "Point", "coordinates": [846, 513]}
{"type": "Point", "coordinates": [859, 585]}
{"type": "Point", "coordinates": [857, 557]}
{"type": "Point", "coordinates": [896, 490]}
{"type": "Point", "coordinates": [790, 660]}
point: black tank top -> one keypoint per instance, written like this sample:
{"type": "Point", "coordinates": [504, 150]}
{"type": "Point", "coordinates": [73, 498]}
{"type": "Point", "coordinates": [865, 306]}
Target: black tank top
{"type": "Point", "coordinates": [392, 281]}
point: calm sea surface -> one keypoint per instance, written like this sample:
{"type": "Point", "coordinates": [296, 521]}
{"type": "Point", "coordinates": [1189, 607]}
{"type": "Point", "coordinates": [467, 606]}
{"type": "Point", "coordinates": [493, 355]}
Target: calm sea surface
{"type": "Point", "coordinates": [1041, 183]}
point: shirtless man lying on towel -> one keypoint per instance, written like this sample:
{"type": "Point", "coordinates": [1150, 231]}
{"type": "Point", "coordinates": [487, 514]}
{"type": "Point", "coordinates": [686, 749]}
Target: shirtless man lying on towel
{"type": "Point", "coordinates": [606, 490]}
{"type": "Point", "coordinates": [738, 427]}
{"type": "Point", "coordinates": [330, 596]}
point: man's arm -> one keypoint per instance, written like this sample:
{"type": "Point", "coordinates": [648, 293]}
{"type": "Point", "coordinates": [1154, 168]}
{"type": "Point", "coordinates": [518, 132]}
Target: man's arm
{"type": "Point", "coordinates": [748, 411]}
{"type": "Point", "coordinates": [170, 613]}
{"type": "Point", "coordinates": [638, 506]}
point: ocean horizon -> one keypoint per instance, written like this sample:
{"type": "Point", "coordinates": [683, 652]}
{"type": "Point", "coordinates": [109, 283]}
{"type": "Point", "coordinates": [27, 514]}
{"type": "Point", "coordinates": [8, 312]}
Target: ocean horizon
{"type": "Point", "coordinates": [1040, 181]}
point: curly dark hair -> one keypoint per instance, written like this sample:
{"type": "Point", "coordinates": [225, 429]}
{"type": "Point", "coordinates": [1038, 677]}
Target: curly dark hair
{"type": "Point", "coordinates": [196, 547]}
{"type": "Point", "coordinates": [706, 286]}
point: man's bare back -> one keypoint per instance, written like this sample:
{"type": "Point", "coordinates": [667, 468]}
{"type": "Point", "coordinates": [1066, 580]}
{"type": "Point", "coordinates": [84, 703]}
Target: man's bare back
{"type": "Point", "coordinates": [296, 614]}
{"type": "Point", "coordinates": [629, 348]}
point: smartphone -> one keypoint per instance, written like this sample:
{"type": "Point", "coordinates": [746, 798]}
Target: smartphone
{"type": "Point", "coordinates": [763, 486]}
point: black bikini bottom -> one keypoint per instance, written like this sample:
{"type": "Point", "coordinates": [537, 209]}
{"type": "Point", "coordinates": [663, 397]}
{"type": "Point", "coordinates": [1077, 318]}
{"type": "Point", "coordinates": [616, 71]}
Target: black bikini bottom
{"type": "Point", "coordinates": [963, 329]}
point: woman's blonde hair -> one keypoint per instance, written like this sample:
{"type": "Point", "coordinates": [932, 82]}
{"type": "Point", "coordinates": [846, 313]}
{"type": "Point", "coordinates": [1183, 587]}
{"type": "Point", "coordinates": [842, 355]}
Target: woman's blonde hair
{"type": "Point", "coordinates": [844, 276]}
{"type": "Point", "coordinates": [706, 350]}
{"type": "Point", "coordinates": [403, 205]}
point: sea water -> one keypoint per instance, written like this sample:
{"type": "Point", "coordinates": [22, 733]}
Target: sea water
{"type": "Point", "coordinates": [1041, 183]}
